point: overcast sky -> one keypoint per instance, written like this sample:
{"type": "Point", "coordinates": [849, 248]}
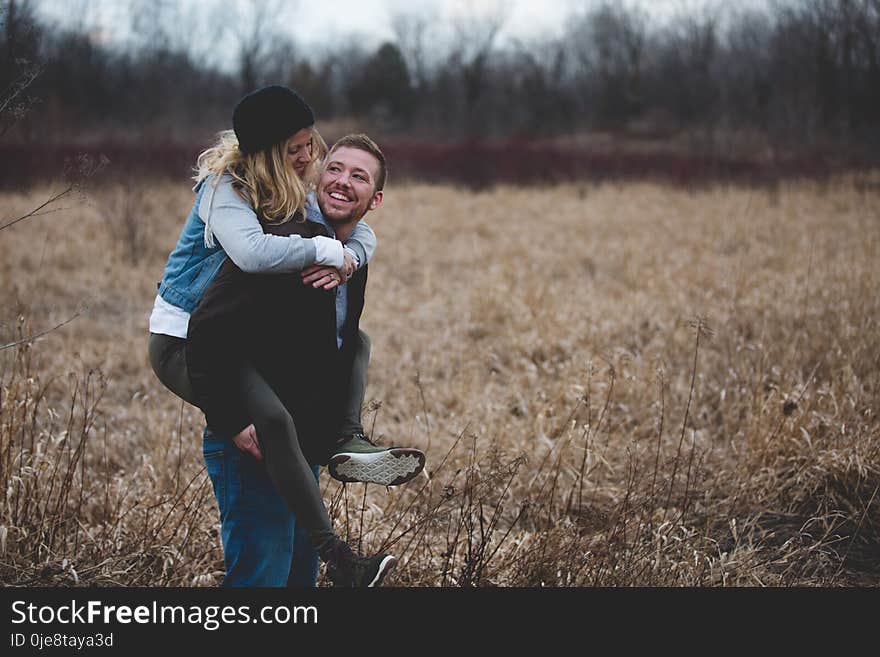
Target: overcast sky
{"type": "Point", "coordinates": [319, 22]}
{"type": "Point", "coordinates": [524, 18]}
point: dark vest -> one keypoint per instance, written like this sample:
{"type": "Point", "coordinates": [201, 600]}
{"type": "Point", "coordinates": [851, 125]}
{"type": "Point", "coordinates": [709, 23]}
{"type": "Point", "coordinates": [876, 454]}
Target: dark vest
{"type": "Point", "coordinates": [287, 330]}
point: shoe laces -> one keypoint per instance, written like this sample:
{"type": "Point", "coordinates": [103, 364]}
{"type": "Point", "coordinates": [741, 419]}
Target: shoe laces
{"type": "Point", "coordinates": [363, 437]}
{"type": "Point", "coordinates": [355, 436]}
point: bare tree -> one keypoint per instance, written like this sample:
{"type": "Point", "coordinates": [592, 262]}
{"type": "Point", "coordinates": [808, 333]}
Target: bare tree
{"type": "Point", "coordinates": [163, 25]}
{"type": "Point", "coordinates": [19, 63]}
{"type": "Point", "coordinates": [470, 58]}
{"type": "Point", "coordinates": [609, 41]}
{"type": "Point", "coordinates": [412, 31]}
{"type": "Point", "coordinates": [254, 25]}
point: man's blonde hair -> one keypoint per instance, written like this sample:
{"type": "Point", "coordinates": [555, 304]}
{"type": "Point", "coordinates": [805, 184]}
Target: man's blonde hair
{"type": "Point", "coordinates": [264, 179]}
{"type": "Point", "coordinates": [362, 142]}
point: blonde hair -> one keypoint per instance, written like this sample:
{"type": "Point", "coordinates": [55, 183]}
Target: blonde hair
{"type": "Point", "coordinates": [264, 179]}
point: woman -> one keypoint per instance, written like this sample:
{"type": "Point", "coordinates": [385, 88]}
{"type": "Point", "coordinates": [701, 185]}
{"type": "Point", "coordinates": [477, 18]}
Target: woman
{"type": "Point", "coordinates": [261, 170]}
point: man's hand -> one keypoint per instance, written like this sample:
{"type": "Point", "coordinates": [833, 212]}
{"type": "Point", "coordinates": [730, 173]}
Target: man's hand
{"type": "Point", "coordinates": [320, 276]}
{"type": "Point", "coordinates": [247, 442]}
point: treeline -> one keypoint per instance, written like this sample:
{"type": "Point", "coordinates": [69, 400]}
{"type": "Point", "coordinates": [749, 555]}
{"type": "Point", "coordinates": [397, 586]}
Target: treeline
{"type": "Point", "coordinates": [799, 75]}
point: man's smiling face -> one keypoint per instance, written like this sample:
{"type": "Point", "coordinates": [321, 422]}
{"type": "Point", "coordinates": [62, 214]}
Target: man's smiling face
{"type": "Point", "coordinates": [347, 188]}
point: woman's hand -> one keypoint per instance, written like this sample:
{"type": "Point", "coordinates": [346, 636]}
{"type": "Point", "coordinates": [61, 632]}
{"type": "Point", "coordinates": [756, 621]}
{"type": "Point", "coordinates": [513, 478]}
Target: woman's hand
{"type": "Point", "coordinates": [349, 265]}
{"type": "Point", "coordinates": [247, 442]}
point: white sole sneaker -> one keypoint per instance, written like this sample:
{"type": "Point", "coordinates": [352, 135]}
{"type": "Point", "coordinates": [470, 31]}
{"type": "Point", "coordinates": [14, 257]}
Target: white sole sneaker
{"type": "Point", "coordinates": [385, 567]}
{"type": "Point", "coordinates": [390, 467]}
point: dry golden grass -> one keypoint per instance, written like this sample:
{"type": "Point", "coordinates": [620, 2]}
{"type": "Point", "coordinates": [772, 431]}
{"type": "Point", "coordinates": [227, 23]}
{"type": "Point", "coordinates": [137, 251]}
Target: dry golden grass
{"type": "Point", "coordinates": [615, 385]}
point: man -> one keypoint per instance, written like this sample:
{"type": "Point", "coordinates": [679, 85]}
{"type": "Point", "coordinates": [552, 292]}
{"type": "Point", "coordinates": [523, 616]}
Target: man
{"type": "Point", "coordinates": [305, 342]}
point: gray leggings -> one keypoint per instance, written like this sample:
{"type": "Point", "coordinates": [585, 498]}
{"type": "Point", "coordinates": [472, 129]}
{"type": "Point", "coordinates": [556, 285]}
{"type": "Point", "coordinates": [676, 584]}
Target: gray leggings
{"type": "Point", "coordinates": [286, 465]}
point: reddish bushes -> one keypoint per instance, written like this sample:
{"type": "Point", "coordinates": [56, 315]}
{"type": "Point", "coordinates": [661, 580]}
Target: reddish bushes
{"type": "Point", "coordinates": [483, 164]}
{"type": "Point", "coordinates": [477, 164]}
{"type": "Point", "coordinates": [22, 164]}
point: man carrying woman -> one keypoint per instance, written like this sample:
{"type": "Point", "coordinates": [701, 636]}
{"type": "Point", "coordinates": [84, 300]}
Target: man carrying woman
{"type": "Point", "coordinates": [257, 179]}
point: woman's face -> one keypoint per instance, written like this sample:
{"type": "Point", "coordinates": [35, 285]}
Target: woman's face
{"type": "Point", "coordinates": [299, 150]}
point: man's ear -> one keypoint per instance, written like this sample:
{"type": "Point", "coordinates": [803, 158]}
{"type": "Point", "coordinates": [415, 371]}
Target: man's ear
{"type": "Point", "coordinates": [377, 200]}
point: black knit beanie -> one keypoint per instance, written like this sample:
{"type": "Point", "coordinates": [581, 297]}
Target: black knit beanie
{"type": "Point", "coordinates": [269, 115]}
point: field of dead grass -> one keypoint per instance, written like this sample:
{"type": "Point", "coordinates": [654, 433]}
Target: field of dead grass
{"type": "Point", "coordinates": [615, 385]}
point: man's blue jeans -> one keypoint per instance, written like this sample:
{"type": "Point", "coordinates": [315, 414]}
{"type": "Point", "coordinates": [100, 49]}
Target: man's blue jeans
{"type": "Point", "coordinates": [262, 544]}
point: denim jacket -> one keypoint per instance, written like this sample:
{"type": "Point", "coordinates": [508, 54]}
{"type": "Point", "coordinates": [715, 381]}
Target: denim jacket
{"type": "Point", "coordinates": [191, 266]}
